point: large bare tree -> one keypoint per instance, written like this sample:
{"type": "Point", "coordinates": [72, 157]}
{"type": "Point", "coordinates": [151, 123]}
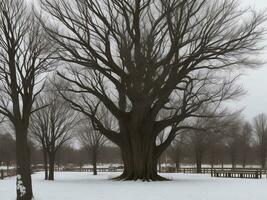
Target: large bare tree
{"type": "Point", "coordinates": [24, 56]}
{"type": "Point", "coordinates": [142, 57]}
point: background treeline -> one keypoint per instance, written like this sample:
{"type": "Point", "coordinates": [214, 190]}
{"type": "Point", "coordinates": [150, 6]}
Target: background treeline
{"type": "Point", "coordinates": [229, 142]}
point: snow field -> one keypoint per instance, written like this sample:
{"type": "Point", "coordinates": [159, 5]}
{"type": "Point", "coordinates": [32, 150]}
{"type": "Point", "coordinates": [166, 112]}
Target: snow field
{"type": "Point", "coordinates": [85, 186]}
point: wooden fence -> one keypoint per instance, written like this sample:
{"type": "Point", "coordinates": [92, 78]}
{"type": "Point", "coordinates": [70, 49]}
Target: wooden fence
{"type": "Point", "coordinates": [7, 173]}
{"type": "Point", "coordinates": [208, 170]}
{"type": "Point", "coordinates": [186, 170]}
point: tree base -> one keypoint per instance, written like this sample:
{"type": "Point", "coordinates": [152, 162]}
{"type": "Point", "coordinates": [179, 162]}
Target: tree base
{"type": "Point", "coordinates": [133, 177]}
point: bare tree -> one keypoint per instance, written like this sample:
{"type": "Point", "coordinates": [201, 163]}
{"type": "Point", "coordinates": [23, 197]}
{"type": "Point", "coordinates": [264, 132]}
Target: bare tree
{"type": "Point", "coordinates": [175, 151]}
{"type": "Point", "coordinates": [233, 140]}
{"type": "Point", "coordinates": [260, 128]}
{"type": "Point", "coordinates": [207, 132]}
{"type": "Point", "coordinates": [52, 127]}
{"type": "Point", "coordinates": [139, 58]}
{"type": "Point", "coordinates": [24, 55]}
{"type": "Point", "coordinates": [246, 141]}
{"type": "Point", "coordinates": [7, 149]}
{"type": "Point", "coordinates": [92, 141]}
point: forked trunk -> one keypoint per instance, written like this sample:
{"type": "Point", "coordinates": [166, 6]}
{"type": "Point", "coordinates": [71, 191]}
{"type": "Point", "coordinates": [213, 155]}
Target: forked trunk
{"type": "Point", "coordinates": [24, 183]}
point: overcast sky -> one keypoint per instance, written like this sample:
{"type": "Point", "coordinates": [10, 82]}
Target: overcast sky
{"type": "Point", "coordinates": [255, 82]}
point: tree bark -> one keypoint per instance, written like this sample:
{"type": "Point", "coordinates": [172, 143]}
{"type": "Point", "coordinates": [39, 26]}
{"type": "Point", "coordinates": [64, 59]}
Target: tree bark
{"type": "Point", "coordinates": [24, 183]}
{"type": "Point", "coordinates": [51, 166]}
{"type": "Point", "coordinates": [140, 162]}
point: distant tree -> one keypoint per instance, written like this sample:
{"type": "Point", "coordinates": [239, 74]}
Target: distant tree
{"type": "Point", "coordinates": [233, 140]}
{"type": "Point", "coordinates": [207, 132]}
{"type": "Point", "coordinates": [7, 149]}
{"type": "Point", "coordinates": [139, 58]}
{"type": "Point", "coordinates": [52, 127]}
{"type": "Point", "coordinates": [175, 150]}
{"type": "Point", "coordinates": [245, 142]}
{"type": "Point", "coordinates": [260, 129]}
{"type": "Point", "coordinates": [25, 54]}
{"type": "Point", "coordinates": [92, 141]}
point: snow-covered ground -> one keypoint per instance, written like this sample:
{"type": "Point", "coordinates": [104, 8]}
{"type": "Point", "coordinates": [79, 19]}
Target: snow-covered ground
{"type": "Point", "coordinates": [84, 186]}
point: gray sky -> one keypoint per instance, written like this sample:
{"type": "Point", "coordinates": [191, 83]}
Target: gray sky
{"type": "Point", "coordinates": [255, 81]}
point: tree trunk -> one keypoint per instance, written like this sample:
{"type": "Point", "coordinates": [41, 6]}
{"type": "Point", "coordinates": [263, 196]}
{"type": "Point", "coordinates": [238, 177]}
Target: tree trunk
{"type": "Point", "coordinates": [263, 158]}
{"type": "Point", "coordinates": [94, 161]}
{"type": "Point", "coordinates": [45, 163]}
{"type": "Point", "coordinates": [138, 144]}
{"type": "Point", "coordinates": [24, 182]}
{"type": "Point", "coordinates": [139, 163]}
{"type": "Point", "coordinates": [199, 165]}
{"type": "Point", "coordinates": [233, 161]}
{"type": "Point", "coordinates": [51, 166]}
{"type": "Point", "coordinates": [244, 162]}
{"type": "Point", "coordinates": [7, 167]}
{"type": "Point", "coordinates": [199, 162]}
{"type": "Point", "coordinates": [177, 165]}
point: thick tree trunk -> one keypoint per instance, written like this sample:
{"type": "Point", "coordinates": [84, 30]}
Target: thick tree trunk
{"type": "Point", "coordinates": [24, 182]}
{"type": "Point", "coordinates": [45, 163]}
{"type": "Point", "coordinates": [139, 164]}
{"type": "Point", "coordinates": [51, 166]}
{"type": "Point", "coordinates": [138, 144]}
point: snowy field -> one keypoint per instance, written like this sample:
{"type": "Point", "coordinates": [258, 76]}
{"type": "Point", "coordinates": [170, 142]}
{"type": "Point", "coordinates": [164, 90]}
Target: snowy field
{"type": "Point", "coordinates": [84, 186]}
